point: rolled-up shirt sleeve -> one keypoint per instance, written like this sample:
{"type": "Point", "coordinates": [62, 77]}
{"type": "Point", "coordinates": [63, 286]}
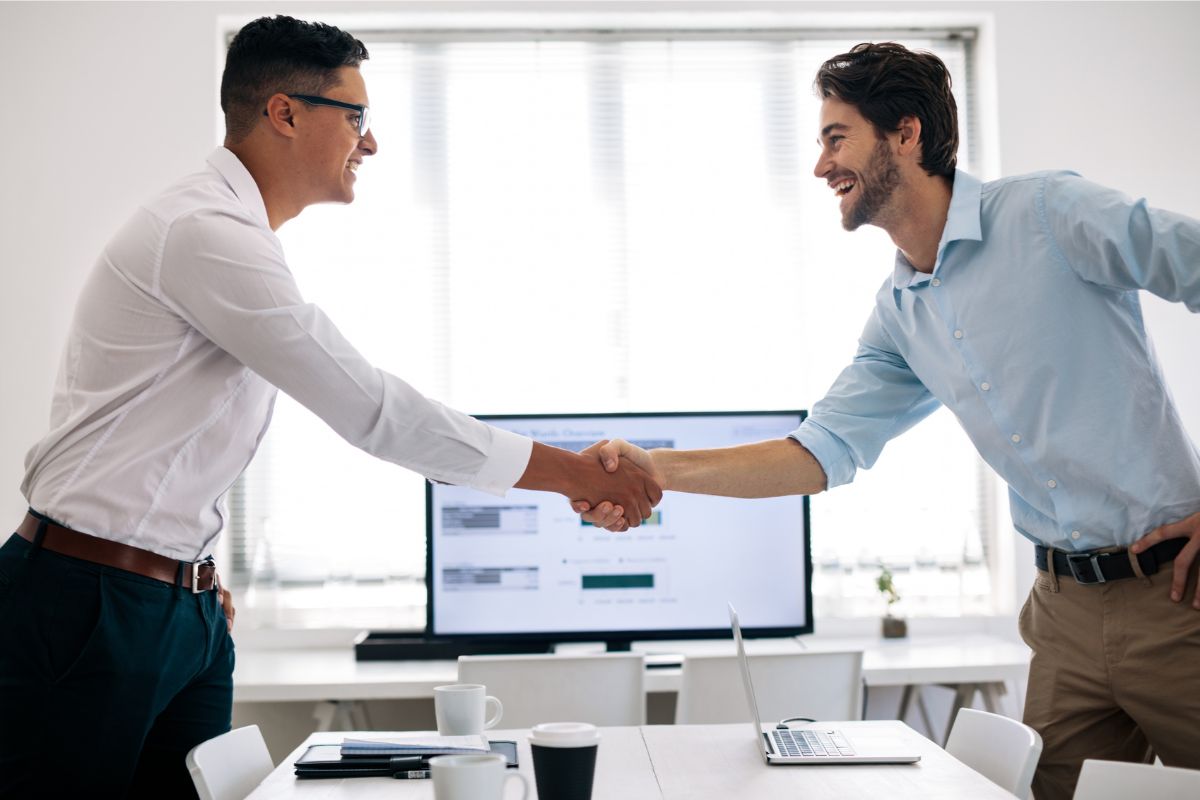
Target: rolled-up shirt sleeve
{"type": "Point", "coordinates": [227, 277]}
{"type": "Point", "coordinates": [874, 399]}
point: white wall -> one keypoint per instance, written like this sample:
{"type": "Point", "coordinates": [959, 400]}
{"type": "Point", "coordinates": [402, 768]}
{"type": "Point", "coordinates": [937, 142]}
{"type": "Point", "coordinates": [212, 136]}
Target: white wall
{"type": "Point", "coordinates": [105, 103]}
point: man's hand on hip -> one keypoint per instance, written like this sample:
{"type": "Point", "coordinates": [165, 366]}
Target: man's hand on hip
{"type": "Point", "coordinates": [1187, 528]}
{"type": "Point", "coordinates": [227, 604]}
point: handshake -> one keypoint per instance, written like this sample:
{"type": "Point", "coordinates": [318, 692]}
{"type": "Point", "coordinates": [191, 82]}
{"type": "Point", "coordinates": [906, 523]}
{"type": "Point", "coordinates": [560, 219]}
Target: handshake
{"type": "Point", "coordinates": [613, 484]}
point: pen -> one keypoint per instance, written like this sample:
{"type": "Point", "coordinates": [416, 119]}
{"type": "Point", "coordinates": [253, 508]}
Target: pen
{"type": "Point", "coordinates": [410, 774]}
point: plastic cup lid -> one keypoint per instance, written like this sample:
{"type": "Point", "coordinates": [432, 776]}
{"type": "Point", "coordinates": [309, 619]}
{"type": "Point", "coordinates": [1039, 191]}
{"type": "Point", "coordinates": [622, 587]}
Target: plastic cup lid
{"type": "Point", "coordinates": [564, 734]}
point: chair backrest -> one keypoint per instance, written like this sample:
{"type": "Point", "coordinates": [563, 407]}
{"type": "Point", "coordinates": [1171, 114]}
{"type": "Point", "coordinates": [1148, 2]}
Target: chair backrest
{"type": "Point", "coordinates": [230, 766]}
{"type": "Point", "coordinates": [1001, 749]}
{"type": "Point", "coordinates": [603, 689]}
{"type": "Point", "coordinates": [820, 686]}
{"type": "Point", "coordinates": [1120, 780]}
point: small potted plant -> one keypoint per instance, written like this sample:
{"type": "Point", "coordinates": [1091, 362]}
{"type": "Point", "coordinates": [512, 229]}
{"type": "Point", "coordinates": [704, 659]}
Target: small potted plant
{"type": "Point", "coordinates": [893, 627]}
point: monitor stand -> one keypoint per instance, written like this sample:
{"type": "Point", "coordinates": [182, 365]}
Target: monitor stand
{"type": "Point", "coordinates": [415, 645]}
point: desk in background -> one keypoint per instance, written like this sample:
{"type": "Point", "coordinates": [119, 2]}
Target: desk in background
{"type": "Point", "coordinates": [689, 762]}
{"type": "Point", "coordinates": [332, 678]}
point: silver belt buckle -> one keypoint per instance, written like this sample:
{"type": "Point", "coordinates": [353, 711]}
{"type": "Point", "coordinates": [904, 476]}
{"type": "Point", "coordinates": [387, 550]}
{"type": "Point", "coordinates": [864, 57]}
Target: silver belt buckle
{"type": "Point", "coordinates": [196, 565]}
{"type": "Point", "coordinates": [1073, 559]}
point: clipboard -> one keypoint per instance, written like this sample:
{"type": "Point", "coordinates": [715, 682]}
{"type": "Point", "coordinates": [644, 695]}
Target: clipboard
{"type": "Point", "coordinates": [326, 761]}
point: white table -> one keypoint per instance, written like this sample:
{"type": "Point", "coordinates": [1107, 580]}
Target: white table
{"type": "Point", "coordinates": [689, 762]}
{"type": "Point", "coordinates": [970, 664]}
{"type": "Point", "coordinates": [977, 662]}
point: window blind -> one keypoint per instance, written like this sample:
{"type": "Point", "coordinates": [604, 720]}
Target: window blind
{"type": "Point", "coordinates": [587, 221]}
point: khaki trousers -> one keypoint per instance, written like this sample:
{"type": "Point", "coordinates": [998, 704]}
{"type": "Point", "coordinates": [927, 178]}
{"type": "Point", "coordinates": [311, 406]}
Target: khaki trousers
{"type": "Point", "coordinates": [1115, 675]}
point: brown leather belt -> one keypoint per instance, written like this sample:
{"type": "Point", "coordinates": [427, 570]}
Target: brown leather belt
{"type": "Point", "coordinates": [199, 576]}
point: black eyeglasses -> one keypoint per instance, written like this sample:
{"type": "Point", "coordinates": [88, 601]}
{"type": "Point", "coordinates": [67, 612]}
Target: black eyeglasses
{"type": "Point", "coordinates": [364, 113]}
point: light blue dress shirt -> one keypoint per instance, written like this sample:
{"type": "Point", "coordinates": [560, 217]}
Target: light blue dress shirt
{"type": "Point", "coordinates": [1030, 331]}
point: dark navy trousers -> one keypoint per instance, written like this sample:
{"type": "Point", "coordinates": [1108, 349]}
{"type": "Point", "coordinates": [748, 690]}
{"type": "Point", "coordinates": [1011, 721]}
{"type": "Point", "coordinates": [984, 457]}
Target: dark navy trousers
{"type": "Point", "coordinates": [107, 678]}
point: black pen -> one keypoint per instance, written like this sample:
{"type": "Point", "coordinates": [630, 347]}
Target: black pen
{"type": "Point", "coordinates": [410, 774]}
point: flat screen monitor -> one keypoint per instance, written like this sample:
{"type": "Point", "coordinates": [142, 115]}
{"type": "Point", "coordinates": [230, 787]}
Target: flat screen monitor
{"type": "Point", "coordinates": [527, 567]}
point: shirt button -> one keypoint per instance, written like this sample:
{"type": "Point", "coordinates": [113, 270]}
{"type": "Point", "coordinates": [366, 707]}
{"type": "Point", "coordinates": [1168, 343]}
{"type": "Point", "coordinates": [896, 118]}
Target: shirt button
{"type": "Point", "coordinates": [958, 334]}
{"type": "Point", "coordinates": [936, 282]}
{"type": "Point", "coordinates": [1016, 438]}
{"type": "Point", "coordinates": [987, 387]}
{"type": "Point", "coordinates": [1052, 483]}
{"type": "Point", "coordinates": [1075, 534]}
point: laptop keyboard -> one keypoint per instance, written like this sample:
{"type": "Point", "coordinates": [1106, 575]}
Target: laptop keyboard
{"type": "Point", "coordinates": [811, 744]}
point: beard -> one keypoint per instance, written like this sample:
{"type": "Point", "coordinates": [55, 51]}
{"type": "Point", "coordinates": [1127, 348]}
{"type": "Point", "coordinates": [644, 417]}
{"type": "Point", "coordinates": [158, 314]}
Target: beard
{"type": "Point", "coordinates": [876, 187]}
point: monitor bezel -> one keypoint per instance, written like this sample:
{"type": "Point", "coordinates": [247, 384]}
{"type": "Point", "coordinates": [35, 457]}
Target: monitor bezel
{"type": "Point", "coordinates": [621, 638]}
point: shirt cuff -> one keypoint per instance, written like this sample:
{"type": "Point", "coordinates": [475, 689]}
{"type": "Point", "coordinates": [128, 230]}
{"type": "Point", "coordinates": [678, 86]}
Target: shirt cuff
{"type": "Point", "coordinates": [829, 452]}
{"type": "Point", "coordinates": [506, 462]}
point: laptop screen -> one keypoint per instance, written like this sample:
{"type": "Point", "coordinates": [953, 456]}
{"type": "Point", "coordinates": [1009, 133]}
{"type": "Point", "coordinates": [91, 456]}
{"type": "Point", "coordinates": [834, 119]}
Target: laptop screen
{"type": "Point", "coordinates": [744, 665]}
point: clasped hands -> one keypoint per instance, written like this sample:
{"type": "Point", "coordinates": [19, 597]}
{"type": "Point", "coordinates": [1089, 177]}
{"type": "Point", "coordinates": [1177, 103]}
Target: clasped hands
{"type": "Point", "coordinates": [613, 511]}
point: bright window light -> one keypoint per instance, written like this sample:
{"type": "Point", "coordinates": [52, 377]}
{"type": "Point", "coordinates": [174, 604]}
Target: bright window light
{"type": "Point", "coordinates": [598, 223]}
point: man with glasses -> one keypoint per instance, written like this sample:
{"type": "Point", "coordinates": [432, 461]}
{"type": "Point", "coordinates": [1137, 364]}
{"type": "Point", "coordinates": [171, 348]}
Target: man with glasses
{"type": "Point", "coordinates": [360, 120]}
{"type": "Point", "coordinates": [114, 628]}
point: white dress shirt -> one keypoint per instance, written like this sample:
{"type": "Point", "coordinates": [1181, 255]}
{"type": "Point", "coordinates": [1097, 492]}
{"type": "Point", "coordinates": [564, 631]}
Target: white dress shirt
{"type": "Point", "coordinates": [186, 326]}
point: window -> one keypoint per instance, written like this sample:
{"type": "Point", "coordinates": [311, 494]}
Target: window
{"type": "Point", "coordinates": [585, 222]}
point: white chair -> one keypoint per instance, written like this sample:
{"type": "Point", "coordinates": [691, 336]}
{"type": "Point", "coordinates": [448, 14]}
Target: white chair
{"type": "Point", "coordinates": [603, 689]}
{"type": "Point", "coordinates": [820, 686]}
{"type": "Point", "coordinates": [230, 766]}
{"type": "Point", "coordinates": [1001, 749]}
{"type": "Point", "coordinates": [1121, 780]}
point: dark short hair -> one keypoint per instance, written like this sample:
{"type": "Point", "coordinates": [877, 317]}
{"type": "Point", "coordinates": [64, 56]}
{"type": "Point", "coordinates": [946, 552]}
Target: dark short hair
{"type": "Point", "coordinates": [281, 54]}
{"type": "Point", "coordinates": [886, 82]}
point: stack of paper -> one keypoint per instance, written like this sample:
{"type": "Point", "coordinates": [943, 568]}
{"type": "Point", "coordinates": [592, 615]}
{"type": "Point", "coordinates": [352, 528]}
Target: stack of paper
{"type": "Point", "coordinates": [418, 744]}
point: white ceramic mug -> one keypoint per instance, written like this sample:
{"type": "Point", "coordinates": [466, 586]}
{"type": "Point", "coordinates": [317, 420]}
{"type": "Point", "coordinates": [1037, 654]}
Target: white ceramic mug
{"type": "Point", "coordinates": [460, 709]}
{"type": "Point", "coordinates": [472, 777]}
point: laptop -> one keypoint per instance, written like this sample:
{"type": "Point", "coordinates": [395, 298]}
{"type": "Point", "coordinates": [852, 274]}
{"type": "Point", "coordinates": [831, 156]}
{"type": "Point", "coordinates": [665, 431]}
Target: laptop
{"type": "Point", "coordinates": [811, 745]}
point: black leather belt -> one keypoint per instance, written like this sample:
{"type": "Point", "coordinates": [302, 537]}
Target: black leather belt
{"type": "Point", "coordinates": [1091, 568]}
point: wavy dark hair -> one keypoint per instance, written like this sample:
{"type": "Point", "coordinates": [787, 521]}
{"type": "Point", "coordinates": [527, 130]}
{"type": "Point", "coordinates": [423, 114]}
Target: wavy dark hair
{"type": "Point", "coordinates": [281, 54]}
{"type": "Point", "coordinates": [886, 82]}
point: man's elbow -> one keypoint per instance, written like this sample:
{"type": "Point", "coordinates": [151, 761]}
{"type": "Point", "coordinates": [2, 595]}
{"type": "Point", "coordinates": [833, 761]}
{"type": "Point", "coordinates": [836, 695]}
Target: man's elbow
{"type": "Point", "coordinates": [809, 475]}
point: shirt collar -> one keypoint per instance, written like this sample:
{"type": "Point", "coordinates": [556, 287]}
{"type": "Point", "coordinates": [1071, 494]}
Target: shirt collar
{"type": "Point", "coordinates": [962, 223]}
{"type": "Point", "coordinates": [231, 168]}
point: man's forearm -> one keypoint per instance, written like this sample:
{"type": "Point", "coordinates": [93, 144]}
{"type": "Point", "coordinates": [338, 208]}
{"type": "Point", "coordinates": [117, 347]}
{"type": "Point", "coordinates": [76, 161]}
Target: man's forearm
{"type": "Point", "coordinates": [550, 469]}
{"type": "Point", "coordinates": [765, 469]}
